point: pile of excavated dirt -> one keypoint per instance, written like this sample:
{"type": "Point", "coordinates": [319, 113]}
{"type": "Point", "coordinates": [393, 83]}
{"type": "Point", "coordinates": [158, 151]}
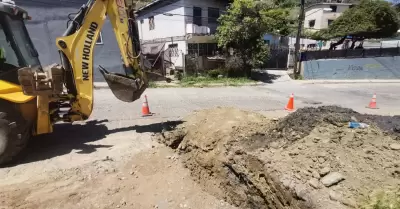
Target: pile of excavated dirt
{"type": "Point", "coordinates": [309, 159]}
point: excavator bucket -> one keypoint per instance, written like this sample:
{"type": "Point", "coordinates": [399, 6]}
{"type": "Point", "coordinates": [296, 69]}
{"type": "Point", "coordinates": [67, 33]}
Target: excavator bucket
{"type": "Point", "coordinates": [125, 88]}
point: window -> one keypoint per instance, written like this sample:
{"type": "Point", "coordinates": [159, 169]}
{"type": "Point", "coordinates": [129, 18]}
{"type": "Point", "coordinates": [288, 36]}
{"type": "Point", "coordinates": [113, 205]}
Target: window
{"type": "Point", "coordinates": [213, 15]}
{"type": "Point", "coordinates": [334, 8]}
{"type": "Point", "coordinates": [197, 16]}
{"type": "Point", "coordinates": [100, 39]}
{"type": "Point", "coordinates": [151, 23]}
{"type": "Point", "coordinates": [16, 48]}
{"type": "Point", "coordinates": [330, 22]}
{"type": "Point", "coordinates": [311, 23]}
{"type": "Point", "coordinates": [203, 49]}
{"type": "Point", "coordinates": [173, 50]}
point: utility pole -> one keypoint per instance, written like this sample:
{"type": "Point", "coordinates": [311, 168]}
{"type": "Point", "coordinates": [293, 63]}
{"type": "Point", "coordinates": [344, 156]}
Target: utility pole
{"type": "Point", "coordinates": [297, 45]}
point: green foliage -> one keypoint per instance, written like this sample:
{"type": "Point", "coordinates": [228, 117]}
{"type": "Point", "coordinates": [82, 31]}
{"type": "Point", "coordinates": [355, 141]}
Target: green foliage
{"type": "Point", "coordinates": [368, 19]}
{"type": "Point", "coordinates": [215, 73]}
{"type": "Point", "coordinates": [245, 23]}
{"type": "Point", "coordinates": [384, 200]}
{"type": "Point", "coordinates": [191, 81]}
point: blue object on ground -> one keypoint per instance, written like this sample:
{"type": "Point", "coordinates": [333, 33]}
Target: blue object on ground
{"type": "Point", "coordinates": [358, 125]}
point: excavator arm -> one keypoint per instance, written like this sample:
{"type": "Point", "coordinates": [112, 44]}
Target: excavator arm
{"type": "Point", "coordinates": [76, 49]}
{"type": "Point", "coordinates": [65, 92]}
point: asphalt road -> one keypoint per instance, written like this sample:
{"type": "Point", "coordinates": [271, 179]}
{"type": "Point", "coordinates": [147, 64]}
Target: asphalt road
{"type": "Point", "coordinates": [170, 103]}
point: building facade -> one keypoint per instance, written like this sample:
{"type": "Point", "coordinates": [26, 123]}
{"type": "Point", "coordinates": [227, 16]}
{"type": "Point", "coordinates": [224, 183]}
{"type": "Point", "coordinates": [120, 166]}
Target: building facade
{"type": "Point", "coordinates": [49, 21]}
{"type": "Point", "coordinates": [180, 27]}
{"type": "Point", "coordinates": [321, 14]}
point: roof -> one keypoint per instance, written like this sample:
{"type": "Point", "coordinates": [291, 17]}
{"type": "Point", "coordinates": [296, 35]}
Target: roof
{"type": "Point", "coordinates": [150, 5]}
{"type": "Point", "coordinates": [153, 5]}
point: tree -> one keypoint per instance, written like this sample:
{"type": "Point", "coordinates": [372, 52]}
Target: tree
{"type": "Point", "coordinates": [370, 19]}
{"type": "Point", "coordinates": [246, 22]}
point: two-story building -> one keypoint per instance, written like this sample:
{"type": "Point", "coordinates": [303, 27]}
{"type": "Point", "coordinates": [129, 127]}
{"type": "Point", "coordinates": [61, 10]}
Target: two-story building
{"type": "Point", "coordinates": [321, 13]}
{"type": "Point", "coordinates": [180, 27]}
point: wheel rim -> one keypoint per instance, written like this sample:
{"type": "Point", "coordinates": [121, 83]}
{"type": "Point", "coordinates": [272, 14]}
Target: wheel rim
{"type": "Point", "coordinates": [4, 131]}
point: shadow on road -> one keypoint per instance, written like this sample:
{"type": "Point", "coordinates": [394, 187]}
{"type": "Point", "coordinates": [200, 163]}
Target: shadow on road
{"type": "Point", "coordinates": [68, 137]}
{"type": "Point", "coordinates": [264, 76]}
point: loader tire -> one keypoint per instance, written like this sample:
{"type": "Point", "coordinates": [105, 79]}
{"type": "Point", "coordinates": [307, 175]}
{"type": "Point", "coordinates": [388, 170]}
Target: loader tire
{"type": "Point", "coordinates": [14, 135]}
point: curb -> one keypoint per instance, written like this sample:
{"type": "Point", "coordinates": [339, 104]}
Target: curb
{"type": "Point", "coordinates": [100, 85]}
{"type": "Point", "coordinates": [104, 85]}
{"type": "Point", "coordinates": [346, 81]}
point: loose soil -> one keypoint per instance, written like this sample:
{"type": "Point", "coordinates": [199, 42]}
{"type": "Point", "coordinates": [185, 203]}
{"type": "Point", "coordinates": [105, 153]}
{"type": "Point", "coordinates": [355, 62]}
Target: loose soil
{"type": "Point", "coordinates": [152, 179]}
{"type": "Point", "coordinates": [309, 159]}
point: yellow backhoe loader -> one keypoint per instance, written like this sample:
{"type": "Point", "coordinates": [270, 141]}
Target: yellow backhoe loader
{"type": "Point", "coordinates": [33, 99]}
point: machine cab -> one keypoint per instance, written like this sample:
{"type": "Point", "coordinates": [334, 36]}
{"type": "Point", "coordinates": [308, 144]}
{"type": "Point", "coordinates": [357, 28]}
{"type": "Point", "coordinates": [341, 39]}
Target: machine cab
{"type": "Point", "coordinates": [16, 47]}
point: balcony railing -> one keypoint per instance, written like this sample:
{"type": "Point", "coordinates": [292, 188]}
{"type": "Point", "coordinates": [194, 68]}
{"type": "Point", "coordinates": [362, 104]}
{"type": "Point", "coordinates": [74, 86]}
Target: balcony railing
{"type": "Point", "coordinates": [198, 30]}
{"type": "Point", "coordinates": [312, 2]}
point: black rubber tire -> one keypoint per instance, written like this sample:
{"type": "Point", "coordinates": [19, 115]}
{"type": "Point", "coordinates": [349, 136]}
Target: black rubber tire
{"type": "Point", "coordinates": [14, 135]}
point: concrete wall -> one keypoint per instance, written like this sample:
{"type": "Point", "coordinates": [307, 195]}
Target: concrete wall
{"type": "Point", "coordinates": [362, 68]}
{"type": "Point", "coordinates": [49, 20]}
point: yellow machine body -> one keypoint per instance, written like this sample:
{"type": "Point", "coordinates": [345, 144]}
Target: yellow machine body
{"type": "Point", "coordinates": [78, 49]}
{"type": "Point", "coordinates": [13, 93]}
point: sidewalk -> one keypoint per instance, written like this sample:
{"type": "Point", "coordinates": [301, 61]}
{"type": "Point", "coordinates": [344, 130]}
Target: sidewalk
{"type": "Point", "coordinates": [348, 81]}
{"type": "Point", "coordinates": [282, 76]}
{"type": "Point", "coordinates": [104, 85]}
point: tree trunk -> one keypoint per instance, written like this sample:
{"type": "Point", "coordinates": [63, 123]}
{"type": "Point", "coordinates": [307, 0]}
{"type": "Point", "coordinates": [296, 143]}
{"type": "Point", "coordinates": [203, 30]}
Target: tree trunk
{"type": "Point", "coordinates": [337, 43]}
{"type": "Point", "coordinates": [246, 66]}
{"type": "Point", "coordinates": [353, 44]}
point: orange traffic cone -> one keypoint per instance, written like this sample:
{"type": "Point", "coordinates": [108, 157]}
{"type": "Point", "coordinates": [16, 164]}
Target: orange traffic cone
{"type": "Point", "coordinates": [290, 104]}
{"type": "Point", "coordinates": [372, 104]}
{"type": "Point", "coordinates": [145, 108]}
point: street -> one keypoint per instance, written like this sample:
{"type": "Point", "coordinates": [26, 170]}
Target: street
{"type": "Point", "coordinates": [116, 137]}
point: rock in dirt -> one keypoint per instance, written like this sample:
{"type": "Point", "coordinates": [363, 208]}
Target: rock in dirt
{"type": "Point", "coordinates": [314, 183]}
{"type": "Point", "coordinates": [324, 171]}
{"type": "Point", "coordinates": [335, 196]}
{"type": "Point", "coordinates": [395, 146]}
{"type": "Point", "coordinates": [302, 192]}
{"type": "Point", "coordinates": [332, 179]}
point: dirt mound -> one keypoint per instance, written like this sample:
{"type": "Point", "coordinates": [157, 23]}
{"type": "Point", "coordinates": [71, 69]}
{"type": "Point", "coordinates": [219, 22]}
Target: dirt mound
{"type": "Point", "coordinates": [309, 159]}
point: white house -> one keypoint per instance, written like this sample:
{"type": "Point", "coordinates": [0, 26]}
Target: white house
{"type": "Point", "coordinates": [180, 26]}
{"type": "Point", "coordinates": [322, 13]}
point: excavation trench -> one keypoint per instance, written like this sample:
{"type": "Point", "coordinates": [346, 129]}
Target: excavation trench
{"type": "Point", "coordinates": [254, 162]}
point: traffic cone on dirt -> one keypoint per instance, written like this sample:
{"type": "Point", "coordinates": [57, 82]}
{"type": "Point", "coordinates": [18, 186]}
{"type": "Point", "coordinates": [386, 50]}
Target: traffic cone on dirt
{"type": "Point", "coordinates": [145, 107]}
{"type": "Point", "coordinates": [290, 104]}
{"type": "Point", "coordinates": [372, 104]}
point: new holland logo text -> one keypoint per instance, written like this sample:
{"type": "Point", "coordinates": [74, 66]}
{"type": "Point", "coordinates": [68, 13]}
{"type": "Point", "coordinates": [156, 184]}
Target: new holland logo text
{"type": "Point", "coordinates": [86, 58]}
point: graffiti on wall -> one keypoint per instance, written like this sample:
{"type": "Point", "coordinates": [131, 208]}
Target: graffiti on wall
{"type": "Point", "coordinates": [359, 68]}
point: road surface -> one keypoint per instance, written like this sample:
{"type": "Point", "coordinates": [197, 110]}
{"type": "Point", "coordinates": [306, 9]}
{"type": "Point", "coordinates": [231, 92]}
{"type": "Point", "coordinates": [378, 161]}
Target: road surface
{"type": "Point", "coordinates": [116, 142]}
